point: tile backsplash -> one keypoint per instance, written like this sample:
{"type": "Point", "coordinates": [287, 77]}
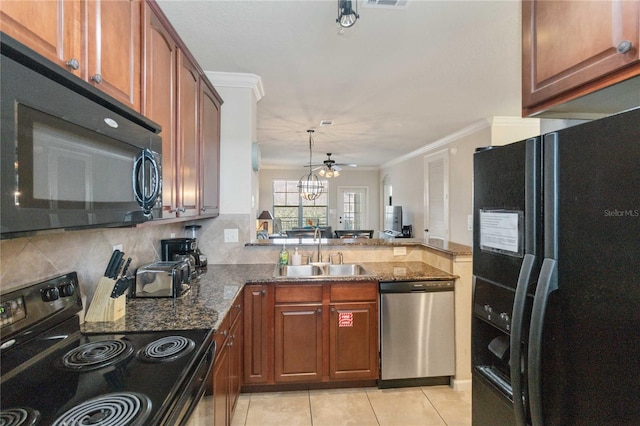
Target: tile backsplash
{"type": "Point", "coordinates": [31, 259]}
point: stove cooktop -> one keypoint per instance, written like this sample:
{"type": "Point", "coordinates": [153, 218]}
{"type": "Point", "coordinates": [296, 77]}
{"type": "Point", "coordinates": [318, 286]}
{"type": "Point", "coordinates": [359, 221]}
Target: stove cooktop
{"type": "Point", "coordinates": [60, 375]}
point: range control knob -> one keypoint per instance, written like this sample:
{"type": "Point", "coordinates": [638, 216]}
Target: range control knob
{"type": "Point", "coordinates": [505, 316]}
{"type": "Point", "coordinates": [67, 289]}
{"type": "Point", "coordinates": [49, 294]}
{"type": "Point", "coordinates": [488, 308]}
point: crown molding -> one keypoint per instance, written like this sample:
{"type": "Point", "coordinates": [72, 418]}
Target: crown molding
{"type": "Point", "coordinates": [237, 79]}
{"type": "Point", "coordinates": [466, 131]}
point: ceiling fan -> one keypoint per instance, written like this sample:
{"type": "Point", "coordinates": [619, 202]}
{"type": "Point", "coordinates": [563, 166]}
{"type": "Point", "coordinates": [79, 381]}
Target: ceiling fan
{"type": "Point", "coordinates": [329, 168]}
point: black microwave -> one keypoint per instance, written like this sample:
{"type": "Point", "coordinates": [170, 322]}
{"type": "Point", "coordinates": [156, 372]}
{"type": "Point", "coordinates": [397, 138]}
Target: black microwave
{"type": "Point", "coordinates": [72, 157]}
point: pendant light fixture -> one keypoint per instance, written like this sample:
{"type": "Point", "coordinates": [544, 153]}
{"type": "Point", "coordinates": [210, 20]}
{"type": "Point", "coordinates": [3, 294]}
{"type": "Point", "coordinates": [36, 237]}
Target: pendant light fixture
{"type": "Point", "coordinates": [309, 186]}
{"type": "Point", "coordinates": [347, 15]}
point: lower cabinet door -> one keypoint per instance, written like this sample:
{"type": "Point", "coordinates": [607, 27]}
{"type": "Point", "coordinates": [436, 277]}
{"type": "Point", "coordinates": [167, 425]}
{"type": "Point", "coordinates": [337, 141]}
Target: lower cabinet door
{"type": "Point", "coordinates": [298, 343]}
{"type": "Point", "coordinates": [353, 341]}
{"type": "Point", "coordinates": [221, 387]}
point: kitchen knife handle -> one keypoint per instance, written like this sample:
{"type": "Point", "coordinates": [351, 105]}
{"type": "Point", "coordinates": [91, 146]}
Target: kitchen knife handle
{"type": "Point", "coordinates": [547, 283]}
{"type": "Point", "coordinates": [126, 267]}
{"type": "Point", "coordinates": [111, 263]}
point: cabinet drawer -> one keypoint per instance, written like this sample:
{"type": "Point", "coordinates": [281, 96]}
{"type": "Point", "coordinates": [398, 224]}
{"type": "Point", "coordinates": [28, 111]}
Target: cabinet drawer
{"type": "Point", "coordinates": [347, 292]}
{"type": "Point", "coordinates": [298, 293]}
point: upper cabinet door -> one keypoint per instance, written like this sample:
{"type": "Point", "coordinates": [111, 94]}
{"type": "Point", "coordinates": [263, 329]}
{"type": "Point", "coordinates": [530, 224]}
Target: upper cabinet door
{"type": "Point", "coordinates": [113, 48]}
{"type": "Point", "coordinates": [159, 101]}
{"type": "Point", "coordinates": [188, 146]}
{"type": "Point", "coordinates": [571, 48]}
{"type": "Point", "coordinates": [209, 150]}
{"type": "Point", "coordinates": [48, 27]}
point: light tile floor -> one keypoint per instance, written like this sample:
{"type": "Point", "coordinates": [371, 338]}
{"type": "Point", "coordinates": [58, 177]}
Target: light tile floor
{"type": "Point", "coordinates": [428, 405]}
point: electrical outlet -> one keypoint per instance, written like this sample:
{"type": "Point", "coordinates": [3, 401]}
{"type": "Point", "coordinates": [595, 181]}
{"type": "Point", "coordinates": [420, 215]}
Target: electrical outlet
{"type": "Point", "coordinates": [399, 251]}
{"type": "Point", "coordinates": [172, 235]}
{"type": "Point", "coordinates": [117, 247]}
{"type": "Point", "coordinates": [230, 235]}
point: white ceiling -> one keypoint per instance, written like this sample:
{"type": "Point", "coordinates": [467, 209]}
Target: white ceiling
{"type": "Point", "coordinates": [393, 83]}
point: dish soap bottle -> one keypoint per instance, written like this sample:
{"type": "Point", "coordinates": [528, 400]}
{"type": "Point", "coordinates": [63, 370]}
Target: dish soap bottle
{"type": "Point", "coordinates": [284, 256]}
{"type": "Point", "coordinates": [296, 258]}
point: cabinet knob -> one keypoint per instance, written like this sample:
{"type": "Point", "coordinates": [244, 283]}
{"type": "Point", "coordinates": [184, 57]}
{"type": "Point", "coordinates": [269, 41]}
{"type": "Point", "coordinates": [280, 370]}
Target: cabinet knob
{"type": "Point", "coordinates": [73, 63]}
{"type": "Point", "coordinates": [203, 209]}
{"type": "Point", "coordinates": [182, 209]}
{"type": "Point", "coordinates": [624, 46]}
{"type": "Point", "coordinates": [333, 309]}
{"type": "Point", "coordinates": [319, 310]}
{"type": "Point", "coordinates": [224, 333]}
{"type": "Point", "coordinates": [263, 292]}
{"type": "Point", "coordinates": [97, 78]}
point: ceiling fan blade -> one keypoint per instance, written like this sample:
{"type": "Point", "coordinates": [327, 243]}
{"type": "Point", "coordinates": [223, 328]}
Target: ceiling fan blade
{"type": "Point", "coordinates": [347, 164]}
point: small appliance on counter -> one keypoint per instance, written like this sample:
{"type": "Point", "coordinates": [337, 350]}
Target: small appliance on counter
{"type": "Point", "coordinates": [185, 248]}
{"type": "Point", "coordinates": [162, 279]}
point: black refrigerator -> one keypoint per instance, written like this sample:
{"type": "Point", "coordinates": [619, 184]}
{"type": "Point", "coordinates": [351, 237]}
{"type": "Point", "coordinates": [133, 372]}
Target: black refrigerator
{"type": "Point", "coordinates": [556, 273]}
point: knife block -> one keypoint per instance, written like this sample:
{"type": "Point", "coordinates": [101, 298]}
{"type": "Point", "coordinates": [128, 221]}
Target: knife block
{"type": "Point", "coordinates": [103, 307]}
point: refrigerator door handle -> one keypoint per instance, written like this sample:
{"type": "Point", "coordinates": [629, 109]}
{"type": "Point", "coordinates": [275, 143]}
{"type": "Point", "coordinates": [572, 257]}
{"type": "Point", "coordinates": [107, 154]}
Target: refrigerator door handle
{"type": "Point", "coordinates": [547, 283]}
{"type": "Point", "coordinates": [516, 339]}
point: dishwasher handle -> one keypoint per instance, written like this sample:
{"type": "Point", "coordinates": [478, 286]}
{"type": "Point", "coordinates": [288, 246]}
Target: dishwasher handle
{"type": "Point", "coordinates": [415, 286]}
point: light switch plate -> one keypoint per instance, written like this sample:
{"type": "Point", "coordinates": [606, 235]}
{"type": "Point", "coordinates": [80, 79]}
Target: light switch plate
{"type": "Point", "coordinates": [470, 222]}
{"type": "Point", "coordinates": [399, 251]}
{"type": "Point", "coordinates": [230, 235]}
{"type": "Point", "coordinates": [117, 247]}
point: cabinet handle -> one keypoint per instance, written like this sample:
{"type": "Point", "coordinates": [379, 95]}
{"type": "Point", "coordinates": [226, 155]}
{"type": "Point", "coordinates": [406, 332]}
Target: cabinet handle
{"type": "Point", "coordinates": [263, 292]}
{"type": "Point", "coordinates": [238, 306]}
{"type": "Point", "coordinates": [333, 309]}
{"type": "Point", "coordinates": [230, 344]}
{"type": "Point", "coordinates": [73, 63]}
{"type": "Point", "coordinates": [224, 333]}
{"type": "Point", "coordinates": [203, 209]}
{"type": "Point", "coordinates": [97, 78]}
{"type": "Point", "coordinates": [624, 46]}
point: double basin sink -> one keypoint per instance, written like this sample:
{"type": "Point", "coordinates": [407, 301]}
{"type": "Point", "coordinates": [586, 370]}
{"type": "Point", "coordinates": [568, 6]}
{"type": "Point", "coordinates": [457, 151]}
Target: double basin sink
{"type": "Point", "coordinates": [320, 270]}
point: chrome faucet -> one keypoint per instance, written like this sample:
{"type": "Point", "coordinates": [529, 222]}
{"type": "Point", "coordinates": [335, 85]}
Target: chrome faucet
{"type": "Point", "coordinates": [317, 233]}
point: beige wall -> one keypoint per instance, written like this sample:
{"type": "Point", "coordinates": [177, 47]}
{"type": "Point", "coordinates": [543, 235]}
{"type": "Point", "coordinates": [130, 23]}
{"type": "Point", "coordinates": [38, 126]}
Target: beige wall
{"type": "Point", "coordinates": [408, 180]}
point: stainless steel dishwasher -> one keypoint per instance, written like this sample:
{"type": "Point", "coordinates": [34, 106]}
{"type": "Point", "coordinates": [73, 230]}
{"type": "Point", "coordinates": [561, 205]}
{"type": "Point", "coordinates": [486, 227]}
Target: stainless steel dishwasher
{"type": "Point", "coordinates": [417, 342]}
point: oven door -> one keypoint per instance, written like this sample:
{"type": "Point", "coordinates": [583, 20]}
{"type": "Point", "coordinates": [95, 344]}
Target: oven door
{"type": "Point", "coordinates": [69, 160]}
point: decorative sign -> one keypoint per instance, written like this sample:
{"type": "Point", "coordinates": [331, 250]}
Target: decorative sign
{"type": "Point", "coordinates": [345, 319]}
{"type": "Point", "coordinates": [501, 231]}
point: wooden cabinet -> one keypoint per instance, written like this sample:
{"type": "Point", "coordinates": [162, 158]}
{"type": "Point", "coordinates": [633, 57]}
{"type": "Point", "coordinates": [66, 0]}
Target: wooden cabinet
{"type": "Point", "coordinates": [258, 333]}
{"type": "Point", "coordinates": [98, 41]}
{"type": "Point", "coordinates": [227, 367]}
{"type": "Point", "coordinates": [353, 331]}
{"type": "Point", "coordinates": [298, 333]}
{"type": "Point", "coordinates": [113, 49]}
{"type": "Point", "coordinates": [50, 27]}
{"type": "Point", "coordinates": [322, 332]}
{"type": "Point", "coordinates": [570, 49]}
{"type": "Point", "coordinates": [159, 98]}
{"type": "Point", "coordinates": [179, 97]}
{"type": "Point", "coordinates": [209, 150]}
{"type": "Point", "coordinates": [188, 147]}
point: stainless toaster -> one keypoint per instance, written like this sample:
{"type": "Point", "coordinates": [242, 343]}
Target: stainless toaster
{"type": "Point", "coordinates": [162, 279]}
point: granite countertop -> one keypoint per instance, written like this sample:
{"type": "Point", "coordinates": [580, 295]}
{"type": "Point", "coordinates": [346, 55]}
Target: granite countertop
{"type": "Point", "coordinates": [448, 247]}
{"type": "Point", "coordinates": [212, 295]}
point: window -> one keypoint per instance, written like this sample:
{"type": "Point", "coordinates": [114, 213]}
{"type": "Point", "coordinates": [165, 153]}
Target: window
{"type": "Point", "coordinates": [293, 211]}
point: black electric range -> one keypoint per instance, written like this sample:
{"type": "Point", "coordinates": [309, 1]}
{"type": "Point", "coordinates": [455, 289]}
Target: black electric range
{"type": "Point", "coordinates": [53, 374]}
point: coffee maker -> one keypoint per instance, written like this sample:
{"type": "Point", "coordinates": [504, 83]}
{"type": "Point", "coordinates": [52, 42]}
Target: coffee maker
{"type": "Point", "coordinates": [184, 249]}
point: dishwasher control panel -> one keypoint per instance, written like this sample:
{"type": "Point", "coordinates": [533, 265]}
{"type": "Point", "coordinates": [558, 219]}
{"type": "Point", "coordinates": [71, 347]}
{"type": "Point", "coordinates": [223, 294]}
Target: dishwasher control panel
{"type": "Point", "coordinates": [415, 286]}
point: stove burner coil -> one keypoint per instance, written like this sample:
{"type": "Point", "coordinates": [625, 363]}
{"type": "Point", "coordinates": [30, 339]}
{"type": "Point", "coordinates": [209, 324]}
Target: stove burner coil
{"type": "Point", "coordinates": [19, 416]}
{"type": "Point", "coordinates": [113, 409]}
{"type": "Point", "coordinates": [167, 348]}
{"type": "Point", "coordinates": [93, 355]}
